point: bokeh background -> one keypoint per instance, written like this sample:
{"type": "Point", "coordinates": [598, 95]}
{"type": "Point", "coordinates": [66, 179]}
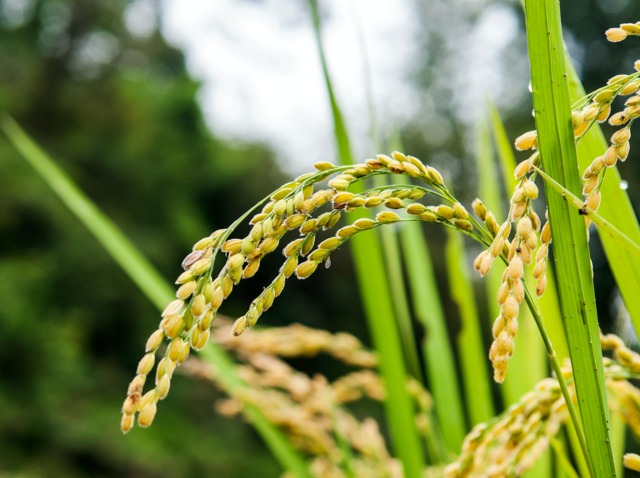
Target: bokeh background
{"type": "Point", "coordinates": [175, 117]}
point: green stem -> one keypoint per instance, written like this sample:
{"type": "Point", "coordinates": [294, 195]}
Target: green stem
{"type": "Point", "coordinates": [557, 369]}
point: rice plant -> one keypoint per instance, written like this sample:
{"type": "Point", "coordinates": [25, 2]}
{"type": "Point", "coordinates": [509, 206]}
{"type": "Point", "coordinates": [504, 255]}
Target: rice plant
{"type": "Point", "coordinates": [305, 420]}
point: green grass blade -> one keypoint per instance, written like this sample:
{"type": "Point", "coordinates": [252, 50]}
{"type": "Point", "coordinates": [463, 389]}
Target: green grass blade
{"type": "Point", "coordinates": [563, 461]}
{"type": "Point", "coordinates": [503, 147]}
{"type": "Point", "coordinates": [618, 432]}
{"type": "Point", "coordinates": [388, 236]}
{"type": "Point", "coordinates": [391, 251]}
{"type": "Point", "coordinates": [571, 251]}
{"type": "Point", "coordinates": [439, 358]}
{"type": "Point", "coordinates": [339, 127]}
{"type": "Point", "coordinates": [436, 347]}
{"type": "Point", "coordinates": [145, 276]}
{"type": "Point", "coordinates": [111, 238]}
{"type": "Point", "coordinates": [374, 290]}
{"type": "Point", "coordinates": [616, 208]}
{"type": "Point", "coordinates": [473, 357]}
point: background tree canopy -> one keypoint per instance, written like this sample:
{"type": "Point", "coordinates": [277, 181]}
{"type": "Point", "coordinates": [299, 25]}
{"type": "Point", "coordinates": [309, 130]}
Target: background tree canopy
{"type": "Point", "coordinates": [120, 114]}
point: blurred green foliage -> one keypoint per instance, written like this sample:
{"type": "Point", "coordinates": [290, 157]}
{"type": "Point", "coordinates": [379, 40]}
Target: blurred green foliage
{"type": "Point", "coordinates": [129, 131]}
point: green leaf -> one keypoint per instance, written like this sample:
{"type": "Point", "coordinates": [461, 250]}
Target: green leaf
{"type": "Point", "coordinates": [147, 278]}
{"type": "Point", "coordinates": [105, 231]}
{"type": "Point", "coordinates": [436, 348]}
{"type": "Point", "coordinates": [473, 357]}
{"type": "Point", "coordinates": [571, 251]}
{"type": "Point", "coordinates": [374, 290]}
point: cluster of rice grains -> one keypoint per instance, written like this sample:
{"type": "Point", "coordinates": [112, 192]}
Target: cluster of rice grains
{"type": "Point", "coordinates": [312, 411]}
{"type": "Point", "coordinates": [510, 444]}
{"type": "Point", "coordinates": [595, 107]}
{"type": "Point", "coordinates": [518, 251]}
{"type": "Point", "coordinates": [303, 207]}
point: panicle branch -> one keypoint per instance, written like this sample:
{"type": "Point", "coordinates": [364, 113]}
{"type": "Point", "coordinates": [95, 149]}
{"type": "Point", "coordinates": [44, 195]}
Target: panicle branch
{"type": "Point", "coordinates": [304, 207]}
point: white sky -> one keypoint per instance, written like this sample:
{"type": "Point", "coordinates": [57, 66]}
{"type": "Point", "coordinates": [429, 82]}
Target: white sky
{"type": "Point", "coordinates": [261, 74]}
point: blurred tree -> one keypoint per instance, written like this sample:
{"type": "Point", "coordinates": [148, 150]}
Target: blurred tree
{"type": "Point", "coordinates": [118, 109]}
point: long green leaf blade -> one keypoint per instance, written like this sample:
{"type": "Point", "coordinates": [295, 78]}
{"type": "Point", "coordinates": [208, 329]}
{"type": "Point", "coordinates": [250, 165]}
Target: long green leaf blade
{"type": "Point", "coordinates": [571, 253]}
{"type": "Point", "coordinates": [473, 358]}
{"type": "Point", "coordinates": [374, 291]}
{"type": "Point", "coordinates": [112, 239]}
{"type": "Point", "coordinates": [436, 348]}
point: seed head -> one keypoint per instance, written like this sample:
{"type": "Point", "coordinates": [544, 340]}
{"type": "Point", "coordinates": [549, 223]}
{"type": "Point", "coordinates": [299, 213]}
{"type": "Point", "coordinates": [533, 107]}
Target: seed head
{"type": "Point", "coordinates": [459, 211]}
{"type": "Point", "coordinates": [445, 211]}
{"type": "Point", "coordinates": [510, 308]}
{"type": "Point", "coordinates": [530, 189]}
{"type": "Point", "coordinates": [387, 216]}
{"type": "Point", "coordinates": [146, 363]}
{"type": "Point", "coordinates": [136, 385]}
{"type": "Point", "coordinates": [289, 266]}
{"type": "Point", "coordinates": [623, 151]}
{"type": "Point", "coordinates": [541, 286]}
{"type": "Point", "coordinates": [347, 231]}
{"type": "Point", "coordinates": [428, 216]}
{"type": "Point", "coordinates": [364, 223]}
{"type": "Point", "coordinates": [479, 208]}
{"type": "Point", "coordinates": [251, 269]}
{"type": "Point", "coordinates": [604, 95]}
{"type": "Point", "coordinates": [483, 263]}
{"type": "Point", "coordinates": [463, 225]}
{"type": "Point", "coordinates": [147, 414]}
{"type": "Point", "coordinates": [632, 461]}
{"type": "Point", "coordinates": [398, 156]}
{"type": "Point", "coordinates": [154, 341]}
{"type": "Point", "coordinates": [621, 136]}
{"type": "Point", "coordinates": [338, 184]}
{"type": "Point", "coordinates": [435, 176]}
{"type": "Point", "coordinates": [632, 28]}
{"type": "Point", "coordinates": [239, 326]}
{"type": "Point", "coordinates": [394, 203]}
{"type": "Point", "coordinates": [126, 422]}
{"type": "Point", "coordinates": [615, 35]}
{"type": "Point", "coordinates": [524, 227]}
{"type": "Point", "coordinates": [342, 197]}
{"type": "Point", "coordinates": [590, 185]}
{"type": "Point", "coordinates": [185, 290]}
{"type": "Point", "coordinates": [416, 209]}
{"type": "Point", "coordinates": [539, 269]}
{"type": "Point", "coordinates": [411, 169]}
{"type": "Point", "coordinates": [497, 246]}
{"type": "Point", "coordinates": [305, 269]}
{"type": "Point", "coordinates": [527, 140]}
{"type": "Point", "coordinates": [515, 269]}
{"type": "Point", "coordinates": [172, 325]}
{"type": "Point", "coordinates": [593, 201]}
{"type": "Point", "coordinates": [323, 165]}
